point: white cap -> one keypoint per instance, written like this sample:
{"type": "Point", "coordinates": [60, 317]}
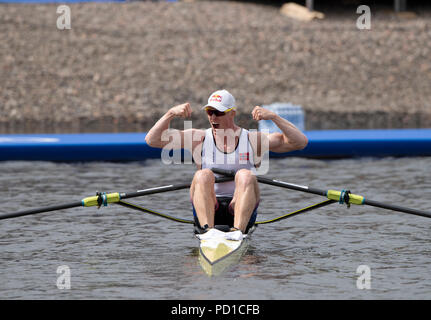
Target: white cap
{"type": "Point", "coordinates": [221, 100]}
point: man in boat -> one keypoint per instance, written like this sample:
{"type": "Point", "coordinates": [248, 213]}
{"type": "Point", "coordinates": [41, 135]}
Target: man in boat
{"type": "Point", "coordinates": [226, 146]}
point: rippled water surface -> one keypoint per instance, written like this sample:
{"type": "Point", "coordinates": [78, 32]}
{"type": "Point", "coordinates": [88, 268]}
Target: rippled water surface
{"type": "Point", "coordinates": [116, 253]}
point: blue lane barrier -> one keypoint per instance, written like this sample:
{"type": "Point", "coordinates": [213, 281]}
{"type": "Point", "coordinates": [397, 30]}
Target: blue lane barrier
{"type": "Point", "coordinates": [132, 146]}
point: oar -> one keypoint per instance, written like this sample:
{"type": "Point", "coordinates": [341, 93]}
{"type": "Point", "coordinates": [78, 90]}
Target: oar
{"type": "Point", "coordinates": [103, 199]}
{"type": "Point", "coordinates": [340, 196]}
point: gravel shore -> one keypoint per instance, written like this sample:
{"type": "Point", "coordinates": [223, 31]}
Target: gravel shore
{"type": "Point", "coordinates": [122, 65]}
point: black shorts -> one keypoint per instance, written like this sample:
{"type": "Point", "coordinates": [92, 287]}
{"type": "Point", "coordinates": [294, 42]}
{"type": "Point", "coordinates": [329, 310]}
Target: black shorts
{"type": "Point", "coordinates": [224, 214]}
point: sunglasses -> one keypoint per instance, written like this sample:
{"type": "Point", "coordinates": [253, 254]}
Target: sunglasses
{"type": "Point", "coordinates": [217, 113]}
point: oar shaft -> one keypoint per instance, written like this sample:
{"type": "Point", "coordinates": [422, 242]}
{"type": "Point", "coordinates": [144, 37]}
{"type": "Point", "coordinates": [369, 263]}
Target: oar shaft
{"type": "Point", "coordinates": [111, 198]}
{"type": "Point", "coordinates": [291, 186]}
{"type": "Point", "coordinates": [40, 210]}
{"type": "Point", "coordinates": [277, 183]}
{"type": "Point", "coordinates": [331, 194]}
{"type": "Point", "coordinates": [149, 191]}
{"type": "Point", "coordinates": [397, 208]}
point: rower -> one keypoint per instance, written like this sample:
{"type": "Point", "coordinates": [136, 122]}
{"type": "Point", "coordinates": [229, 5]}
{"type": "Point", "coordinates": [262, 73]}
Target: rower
{"type": "Point", "coordinates": [225, 145]}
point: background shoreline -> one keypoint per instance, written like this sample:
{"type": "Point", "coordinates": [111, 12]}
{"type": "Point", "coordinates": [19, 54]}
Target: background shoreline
{"type": "Point", "coordinates": [122, 65]}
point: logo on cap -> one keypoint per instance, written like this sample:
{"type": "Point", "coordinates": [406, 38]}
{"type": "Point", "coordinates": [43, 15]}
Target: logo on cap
{"type": "Point", "coordinates": [216, 97]}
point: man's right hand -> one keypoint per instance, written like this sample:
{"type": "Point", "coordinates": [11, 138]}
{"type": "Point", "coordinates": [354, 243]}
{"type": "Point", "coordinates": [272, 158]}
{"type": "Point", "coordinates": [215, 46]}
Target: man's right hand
{"type": "Point", "coordinates": [182, 110]}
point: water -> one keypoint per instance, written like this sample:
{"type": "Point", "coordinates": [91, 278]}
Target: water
{"type": "Point", "coordinates": [116, 253]}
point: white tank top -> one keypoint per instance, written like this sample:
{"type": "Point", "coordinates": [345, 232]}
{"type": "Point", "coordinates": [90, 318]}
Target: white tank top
{"type": "Point", "coordinates": [241, 158]}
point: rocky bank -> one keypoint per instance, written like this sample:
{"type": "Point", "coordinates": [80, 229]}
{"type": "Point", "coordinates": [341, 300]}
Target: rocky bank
{"type": "Point", "coordinates": [122, 65]}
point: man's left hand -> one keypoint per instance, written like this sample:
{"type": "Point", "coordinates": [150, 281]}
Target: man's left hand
{"type": "Point", "coordinates": [260, 113]}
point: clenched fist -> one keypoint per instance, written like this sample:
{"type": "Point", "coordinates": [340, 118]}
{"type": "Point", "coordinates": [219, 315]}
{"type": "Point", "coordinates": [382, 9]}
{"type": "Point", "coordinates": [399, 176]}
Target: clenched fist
{"type": "Point", "coordinates": [182, 110]}
{"type": "Point", "coordinates": [260, 113]}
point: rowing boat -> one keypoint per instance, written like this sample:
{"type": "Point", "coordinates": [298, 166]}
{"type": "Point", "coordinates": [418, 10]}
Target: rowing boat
{"type": "Point", "coordinates": [219, 249]}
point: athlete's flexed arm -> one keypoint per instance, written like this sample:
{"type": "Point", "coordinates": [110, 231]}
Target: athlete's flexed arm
{"type": "Point", "coordinates": [159, 135]}
{"type": "Point", "coordinates": [291, 139]}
